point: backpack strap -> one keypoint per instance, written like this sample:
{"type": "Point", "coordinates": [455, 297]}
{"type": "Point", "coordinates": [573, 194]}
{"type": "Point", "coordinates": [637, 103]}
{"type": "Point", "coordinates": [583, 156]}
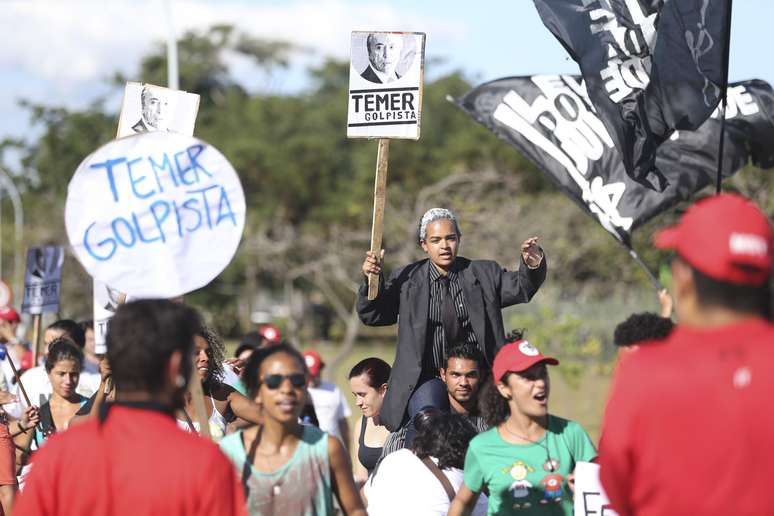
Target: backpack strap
{"type": "Point", "coordinates": [435, 470]}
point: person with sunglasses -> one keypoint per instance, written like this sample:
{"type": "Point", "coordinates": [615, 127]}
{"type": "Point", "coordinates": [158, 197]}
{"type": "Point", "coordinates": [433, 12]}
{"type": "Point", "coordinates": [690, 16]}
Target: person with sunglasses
{"type": "Point", "coordinates": [525, 462]}
{"type": "Point", "coordinates": [287, 467]}
{"type": "Point", "coordinates": [222, 402]}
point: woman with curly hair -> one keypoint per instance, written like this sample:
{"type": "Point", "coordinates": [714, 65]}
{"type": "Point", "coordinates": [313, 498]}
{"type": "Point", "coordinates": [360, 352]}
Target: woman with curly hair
{"type": "Point", "coordinates": [222, 402]}
{"type": "Point", "coordinates": [525, 462]}
{"type": "Point", "coordinates": [424, 479]}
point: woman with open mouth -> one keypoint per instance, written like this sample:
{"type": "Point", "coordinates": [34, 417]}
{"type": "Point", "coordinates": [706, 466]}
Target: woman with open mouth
{"type": "Point", "coordinates": [222, 402]}
{"type": "Point", "coordinates": [526, 460]}
{"type": "Point", "coordinates": [286, 467]}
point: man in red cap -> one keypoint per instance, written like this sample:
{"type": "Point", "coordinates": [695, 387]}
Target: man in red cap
{"type": "Point", "coordinates": [330, 406]}
{"type": "Point", "coordinates": [9, 324]}
{"type": "Point", "coordinates": [687, 428]}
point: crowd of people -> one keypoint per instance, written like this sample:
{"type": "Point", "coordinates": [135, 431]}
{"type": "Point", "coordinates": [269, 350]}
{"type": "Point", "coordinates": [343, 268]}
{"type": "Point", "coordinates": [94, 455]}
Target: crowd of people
{"type": "Point", "coordinates": [459, 424]}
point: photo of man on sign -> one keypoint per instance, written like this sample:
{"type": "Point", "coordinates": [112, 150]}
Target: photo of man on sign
{"type": "Point", "coordinates": [384, 50]}
{"type": "Point", "coordinates": [154, 105]}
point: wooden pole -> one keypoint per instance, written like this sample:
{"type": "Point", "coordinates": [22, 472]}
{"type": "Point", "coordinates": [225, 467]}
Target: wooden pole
{"type": "Point", "coordinates": [35, 338]}
{"type": "Point", "coordinates": [377, 226]}
{"type": "Point", "coordinates": [18, 378]}
{"type": "Point", "coordinates": [195, 388]}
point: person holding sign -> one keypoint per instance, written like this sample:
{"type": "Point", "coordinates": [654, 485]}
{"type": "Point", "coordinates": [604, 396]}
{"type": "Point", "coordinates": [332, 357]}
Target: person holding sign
{"type": "Point", "coordinates": [440, 301]}
{"type": "Point", "coordinates": [525, 462]}
{"type": "Point", "coordinates": [133, 459]}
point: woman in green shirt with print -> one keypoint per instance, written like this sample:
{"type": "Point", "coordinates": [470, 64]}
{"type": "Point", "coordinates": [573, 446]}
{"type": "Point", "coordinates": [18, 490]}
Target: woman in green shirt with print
{"type": "Point", "coordinates": [525, 462]}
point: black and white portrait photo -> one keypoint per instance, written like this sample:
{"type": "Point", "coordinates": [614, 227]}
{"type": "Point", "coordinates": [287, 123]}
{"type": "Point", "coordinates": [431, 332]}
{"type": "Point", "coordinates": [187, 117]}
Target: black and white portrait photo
{"type": "Point", "coordinates": [383, 57]}
{"type": "Point", "coordinates": [154, 107]}
{"type": "Point", "coordinates": [148, 108]}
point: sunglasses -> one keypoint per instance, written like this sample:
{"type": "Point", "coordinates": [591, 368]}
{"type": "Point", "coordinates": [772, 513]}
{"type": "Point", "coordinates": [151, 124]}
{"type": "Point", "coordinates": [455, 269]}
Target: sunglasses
{"type": "Point", "coordinates": [273, 381]}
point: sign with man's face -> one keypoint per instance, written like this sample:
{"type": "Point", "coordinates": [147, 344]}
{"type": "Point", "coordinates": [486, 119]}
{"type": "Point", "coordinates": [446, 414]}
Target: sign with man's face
{"type": "Point", "coordinates": [106, 302]}
{"type": "Point", "coordinates": [156, 215]}
{"type": "Point", "coordinates": [147, 108]}
{"type": "Point", "coordinates": [385, 84]}
{"type": "Point", "coordinates": [43, 279]}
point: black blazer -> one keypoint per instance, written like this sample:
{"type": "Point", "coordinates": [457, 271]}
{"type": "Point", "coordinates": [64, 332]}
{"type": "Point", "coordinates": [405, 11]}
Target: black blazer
{"type": "Point", "coordinates": [405, 296]}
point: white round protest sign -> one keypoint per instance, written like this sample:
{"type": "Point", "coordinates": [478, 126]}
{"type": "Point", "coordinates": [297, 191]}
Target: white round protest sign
{"type": "Point", "coordinates": [156, 215]}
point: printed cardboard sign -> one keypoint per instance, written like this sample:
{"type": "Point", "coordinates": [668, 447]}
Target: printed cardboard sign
{"type": "Point", "coordinates": [156, 214]}
{"type": "Point", "coordinates": [106, 301]}
{"type": "Point", "coordinates": [385, 84]}
{"type": "Point", "coordinates": [590, 498]}
{"type": "Point", "coordinates": [42, 280]}
{"type": "Point", "coordinates": [147, 108]}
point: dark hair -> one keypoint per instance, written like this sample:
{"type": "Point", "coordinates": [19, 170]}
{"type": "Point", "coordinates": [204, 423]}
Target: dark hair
{"type": "Point", "coordinates": [467, 351]}
{"type": "Point", "coordinates": [141, 337]}
{"type": "Point", "coordinates": [515, 334]}
{"type": "Point", "coordinates": [242, 348]}
{"type": "Point", "coordinates": [86, 325]}
{"type": "Point", "coordinates": [494, 407]}
{"type": "Point", "coordinates": [63, 349]}
{"type": "Point", "coordinates": [375, 369]}
{"type": "Point", "coordinates": [71, 329]}
{"type": "Point", "coordinates": [253, 339]}
{"type": "Point", "coordinates": [749, 299]}
{"type": "Point", "coordinates": [253, 367]}
{"type": "Point", "coordinates": [216, 354]}
{"type": "Point", "coordinates": [642, 327]}
{"type": "Point", "coordinates": [442, 436]}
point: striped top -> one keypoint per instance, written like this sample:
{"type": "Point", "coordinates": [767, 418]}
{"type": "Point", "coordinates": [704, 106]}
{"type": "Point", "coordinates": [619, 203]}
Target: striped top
{"type": "Point", "coordinates": [435, 348]}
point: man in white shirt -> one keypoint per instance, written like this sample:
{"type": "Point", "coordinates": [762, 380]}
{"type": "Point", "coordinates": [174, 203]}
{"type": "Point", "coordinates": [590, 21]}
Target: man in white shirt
{"type": "Point", "coordinates": [329, 403]}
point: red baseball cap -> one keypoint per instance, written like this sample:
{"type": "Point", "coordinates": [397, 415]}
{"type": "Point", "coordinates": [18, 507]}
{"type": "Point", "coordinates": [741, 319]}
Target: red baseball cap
{"type": "Point", "coordinates": [270, 333]}
{"type": "Point", "coordinates": [313, 362]}
{"type": "Point", "coordinates": [518, 356]}
{"type": "Point", "coordinates": [9, 314]}
{"type": "Point", "coordinates": [727, 237]}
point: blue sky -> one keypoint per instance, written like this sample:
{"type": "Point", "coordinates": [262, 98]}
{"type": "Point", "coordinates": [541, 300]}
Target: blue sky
{"type": "Point", "coordinates": [60, 53]}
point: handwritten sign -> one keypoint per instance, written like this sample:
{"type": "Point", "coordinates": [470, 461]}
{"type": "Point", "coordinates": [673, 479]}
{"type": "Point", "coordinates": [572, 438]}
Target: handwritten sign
{"type": "Point", "coordinates": [590, 498]}
{"type": "Point", "coordinates": [156, 214]}
{"type": "Point", "coordinates": [43, 279]}
{"type": "Point", "coordinates": [147, 108]}
{"type": "Point", "coordinates": [385, 84]}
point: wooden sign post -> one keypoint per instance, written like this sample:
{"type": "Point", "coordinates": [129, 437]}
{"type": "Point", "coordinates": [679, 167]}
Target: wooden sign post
{"type": "Point", "coordinates": [385, 102]}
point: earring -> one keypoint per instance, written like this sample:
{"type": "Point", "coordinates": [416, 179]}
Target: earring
{"type": "Point", "coordinates": [180, 380]}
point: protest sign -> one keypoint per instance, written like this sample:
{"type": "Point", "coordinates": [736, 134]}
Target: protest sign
{"type": "Point", "coordinates": [156, 214]}
{"type": "Point", "coordinates": [385, 84]}
{"type": "Point", "coordinates": [385, 101]}
{"type": "Point", "coordinates": [106, 302]}
{"type": "Point", "coordinates": [43, 279]}
{"type": "Point", "coordinates": [6, 294]}
{"type": "Point", "coordinates": [148, 108]}
{"type": "Point", "coordinates": [590, 498]}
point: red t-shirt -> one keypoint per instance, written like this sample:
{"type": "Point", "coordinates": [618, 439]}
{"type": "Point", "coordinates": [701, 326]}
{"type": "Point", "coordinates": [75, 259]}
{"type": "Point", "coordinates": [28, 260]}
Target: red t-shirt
{"type": "Point", "coordinates": [137, 462]}
{"type": "Point", "coordinates": [689, 426]}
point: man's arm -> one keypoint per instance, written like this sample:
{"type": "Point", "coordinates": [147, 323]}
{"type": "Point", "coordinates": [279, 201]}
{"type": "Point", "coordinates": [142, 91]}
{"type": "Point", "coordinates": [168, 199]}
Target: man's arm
{"type": "Point", "coordinates": [382, 311]}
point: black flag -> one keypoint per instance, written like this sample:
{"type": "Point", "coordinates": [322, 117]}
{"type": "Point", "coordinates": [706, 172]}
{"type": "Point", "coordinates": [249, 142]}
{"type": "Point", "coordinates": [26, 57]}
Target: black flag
{"type": "Point", "coordinates": [549, 119]}
{"type": "Point", "coordinates": [651, 66]}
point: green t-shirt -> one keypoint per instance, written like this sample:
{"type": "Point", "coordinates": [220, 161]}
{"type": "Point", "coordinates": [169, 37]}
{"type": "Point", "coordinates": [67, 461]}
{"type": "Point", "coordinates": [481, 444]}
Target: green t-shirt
{"type": "Point", "coordinates": [519, 477]}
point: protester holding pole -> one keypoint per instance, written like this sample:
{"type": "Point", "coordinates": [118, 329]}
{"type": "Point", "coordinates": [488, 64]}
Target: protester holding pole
{"type": "Point", "coordinates": [439, 301]}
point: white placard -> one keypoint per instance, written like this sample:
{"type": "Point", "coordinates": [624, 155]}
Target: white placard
{"type": "Point", "coordinates": [590, 498]}
{"type": "Point", "coordinates": [385, 84]}
{"type": "Point", "coordinates": [148, 108]}
{"type": "Point", "coordinates": [156, 214]}
{"type": "Point", "coordinates": [106, 301]}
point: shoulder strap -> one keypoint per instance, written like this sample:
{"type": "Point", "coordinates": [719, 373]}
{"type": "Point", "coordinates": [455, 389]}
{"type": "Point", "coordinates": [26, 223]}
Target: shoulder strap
{"type": "Point", "coordinates": [435, 470]}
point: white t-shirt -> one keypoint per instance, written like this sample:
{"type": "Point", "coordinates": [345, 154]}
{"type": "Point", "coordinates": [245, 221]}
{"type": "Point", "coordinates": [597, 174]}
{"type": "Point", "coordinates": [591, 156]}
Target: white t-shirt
{"type": "Point", "coordinates": [403, 485]}
{"type": "Point", "coordinates": [38, 387]}
{"type": "Point", "coordinates": [330, 406]}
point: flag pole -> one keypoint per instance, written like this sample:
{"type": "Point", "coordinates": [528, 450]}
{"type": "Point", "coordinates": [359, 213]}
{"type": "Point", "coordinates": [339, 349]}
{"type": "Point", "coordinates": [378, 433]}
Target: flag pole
{"type": "Point", "coordinates": [651, 276]}
{"type": "Point", "coordinates": [724, 93]}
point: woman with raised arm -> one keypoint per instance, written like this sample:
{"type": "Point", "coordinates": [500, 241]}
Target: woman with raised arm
{"type": "Point", "coordinates": [287, 467]}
